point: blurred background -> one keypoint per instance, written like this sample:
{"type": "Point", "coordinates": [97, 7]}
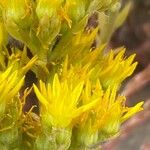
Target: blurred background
{"type": "Point", "coordinates": [135, 36]}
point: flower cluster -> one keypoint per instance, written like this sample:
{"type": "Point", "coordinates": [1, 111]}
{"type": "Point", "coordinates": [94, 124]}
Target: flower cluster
{"type": "Point", "coordinates": [63, 44]}
{"type": "Point", "coordinates": [78, 101]}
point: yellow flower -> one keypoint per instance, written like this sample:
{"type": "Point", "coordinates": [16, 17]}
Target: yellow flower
{"type": "Point", "coordinates": [112, 68]}
{"type": "Point", "coordinates": [112, 112]}
{"type": "Point", "coordinates": [12, 74]}
{"type": "Point", "coordinates": [10, 85]}
{"type": "Point", "coordinates": [106, 118]}
{"type": "Point", "coordinates": [60, 102]}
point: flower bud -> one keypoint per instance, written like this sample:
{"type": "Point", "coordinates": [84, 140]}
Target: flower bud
{"type": "Point", "coordinates": [58, 138]}
{"type": "Point", "coordinates": [19, 11]}
{"type": "Point", "coordinates": [49, 20]}
{"type": "Point", "coordinates": [86, 136]}
{"type": "Point", "coordinates": [76, 9]}
{"type": "Point", "coordinates": [47, 8]}
{"type": "Point", "coordinates": [17, 16]}
{"type": "Point", "coordinates": [10, 138]}
{"type": "Point", "coordinates": [111, 129]}
{"type": "Point", "coordinates": [62, 137]}
{"type": "Point", "coordinates": [88, 139]}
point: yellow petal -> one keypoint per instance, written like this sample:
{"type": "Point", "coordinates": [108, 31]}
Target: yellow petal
{"type": "Point", "coordinates": [40, 96]}
{"type": "Point", "coordinates": [132, 111]}
{"type": "Point", "coordinates": [56, 86]}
